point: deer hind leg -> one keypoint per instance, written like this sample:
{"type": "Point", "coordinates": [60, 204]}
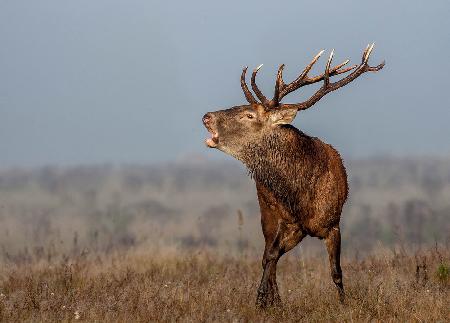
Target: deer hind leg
{"type": "Point", "coordinates": [333, 243]}
{"type": "Point", "coordinates": [286, 237]}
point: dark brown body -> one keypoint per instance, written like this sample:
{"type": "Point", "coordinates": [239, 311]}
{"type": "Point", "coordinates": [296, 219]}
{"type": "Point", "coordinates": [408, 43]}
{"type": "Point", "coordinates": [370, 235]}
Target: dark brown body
{"type": "Point", "coordinates": [302, 187]}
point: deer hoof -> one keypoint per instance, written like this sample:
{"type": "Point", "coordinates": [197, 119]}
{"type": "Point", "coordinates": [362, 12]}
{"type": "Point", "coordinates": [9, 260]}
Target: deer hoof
{"type": "Point", "coordinates": [268, 300]}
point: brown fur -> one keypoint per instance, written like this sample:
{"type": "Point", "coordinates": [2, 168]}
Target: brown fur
{"type": "Point", "coordinates": [301, 182]}
{"type": "Point", "coordinates": [302, 186]}
{"type": "Point", "coordinates": [304, 175]}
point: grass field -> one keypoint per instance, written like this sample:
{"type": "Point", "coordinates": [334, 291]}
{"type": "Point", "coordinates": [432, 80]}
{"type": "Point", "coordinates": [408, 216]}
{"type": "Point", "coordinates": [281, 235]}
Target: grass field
{"type": "Point", "coordinates": [184, 243]}
{"type": "Point", "coordinates": [196, 287]}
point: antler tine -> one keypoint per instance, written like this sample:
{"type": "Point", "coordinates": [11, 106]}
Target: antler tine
{"type": "Point", "coordinates": [376, 68]}
{"type": "Point", "coordinates": [326, 78]}
{"type": "Point", "coordinates": [334, 71]}
{"type": "Point", "coordinates": [367, 53]}
{"type": "Point", "coordinates": [364, 53]}
{"type": "Point", "coordinates": [309, 66]}
{"type": "Point", "coordinates": [248, 95]}
{"type": "Point", "coordinates": [279, 84]}
{"type": "Point", "coordinates": [329, 87]}
{"type": "Point", "coordinates": [342, 64]}
{"type": "Point", "coordinates": [257, 91]}
{"type": "Point", "coordinates": [294, 85]}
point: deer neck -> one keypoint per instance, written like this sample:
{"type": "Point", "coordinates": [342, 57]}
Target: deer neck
{"type": "Point", "coordinates": [273, 161]}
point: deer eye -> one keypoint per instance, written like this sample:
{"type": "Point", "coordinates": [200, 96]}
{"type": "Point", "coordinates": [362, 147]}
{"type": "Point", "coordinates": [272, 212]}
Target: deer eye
{"type": "Point", "coordinates": [250, 116]}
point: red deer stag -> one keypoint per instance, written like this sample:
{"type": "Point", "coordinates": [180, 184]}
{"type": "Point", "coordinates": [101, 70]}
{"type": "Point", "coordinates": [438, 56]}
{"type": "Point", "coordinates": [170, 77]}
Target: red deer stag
{"type": "Point", "coordinates": [300, 180]}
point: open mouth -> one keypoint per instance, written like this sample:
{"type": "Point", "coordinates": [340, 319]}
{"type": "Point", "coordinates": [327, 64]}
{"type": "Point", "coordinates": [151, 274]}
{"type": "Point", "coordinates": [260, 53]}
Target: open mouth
{"type": "Point", "coordinates": [214, 140]}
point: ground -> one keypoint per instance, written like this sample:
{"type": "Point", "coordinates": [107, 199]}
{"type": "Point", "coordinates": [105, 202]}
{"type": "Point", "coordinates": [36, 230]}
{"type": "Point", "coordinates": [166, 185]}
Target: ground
{"type": "Point", "coordinates": [387, 285]}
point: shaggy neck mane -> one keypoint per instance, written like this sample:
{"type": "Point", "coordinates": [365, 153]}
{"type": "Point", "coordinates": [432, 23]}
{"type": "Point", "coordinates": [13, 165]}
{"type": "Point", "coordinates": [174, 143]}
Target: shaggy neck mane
{"type": "Point", "coordinates": [287, 162]}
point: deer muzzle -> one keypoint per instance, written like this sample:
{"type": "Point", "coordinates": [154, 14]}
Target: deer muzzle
{"type": "Point", "coordinates": [208, 121]}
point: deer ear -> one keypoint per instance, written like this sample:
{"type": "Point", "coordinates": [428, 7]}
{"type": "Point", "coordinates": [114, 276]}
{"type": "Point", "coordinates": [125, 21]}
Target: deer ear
{"type": "Point", "coordinates": [282, 116]}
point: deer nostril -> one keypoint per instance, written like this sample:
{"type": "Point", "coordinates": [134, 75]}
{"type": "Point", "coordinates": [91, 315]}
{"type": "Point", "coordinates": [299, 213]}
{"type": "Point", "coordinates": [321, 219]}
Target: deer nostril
{"type": "Point", "coordinates": [207, 118]}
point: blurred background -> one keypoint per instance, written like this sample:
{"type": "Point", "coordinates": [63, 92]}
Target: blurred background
{"type": "Point", "coordinates": [101, 141]}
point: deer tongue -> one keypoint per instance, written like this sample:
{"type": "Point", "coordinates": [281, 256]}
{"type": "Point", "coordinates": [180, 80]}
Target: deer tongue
{"type": "Point", "coordinates": [213, 141]}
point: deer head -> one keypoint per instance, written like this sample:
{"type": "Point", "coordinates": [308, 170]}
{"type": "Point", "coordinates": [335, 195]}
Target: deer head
{"type": "Point", "coordinates": [232, 129]}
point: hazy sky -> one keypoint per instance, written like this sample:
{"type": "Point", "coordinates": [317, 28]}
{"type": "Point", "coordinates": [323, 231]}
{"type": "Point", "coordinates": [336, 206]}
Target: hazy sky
{"type": "Point", "coordinates": [92, 81]}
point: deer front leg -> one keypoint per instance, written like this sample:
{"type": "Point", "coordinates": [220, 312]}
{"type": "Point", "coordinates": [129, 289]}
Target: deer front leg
{"type": "Point", "coordinates": [268, 295]}
{"type": "Point", "coordinates": [286, 237]}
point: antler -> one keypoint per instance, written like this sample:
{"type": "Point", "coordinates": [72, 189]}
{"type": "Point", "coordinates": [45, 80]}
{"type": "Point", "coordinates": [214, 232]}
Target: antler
{"type": "Point", "coordinates": [258, 93]}
{"type": "Point", "coordinates": [328, 87]}
{"type": "Point", "coordinates": [282, 89]}
{"type": "Point", "coordinates": [248, 95]}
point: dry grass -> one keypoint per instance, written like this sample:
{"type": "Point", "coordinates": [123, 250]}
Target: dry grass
{"type": "Point", "coordinates": [136, 286]}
